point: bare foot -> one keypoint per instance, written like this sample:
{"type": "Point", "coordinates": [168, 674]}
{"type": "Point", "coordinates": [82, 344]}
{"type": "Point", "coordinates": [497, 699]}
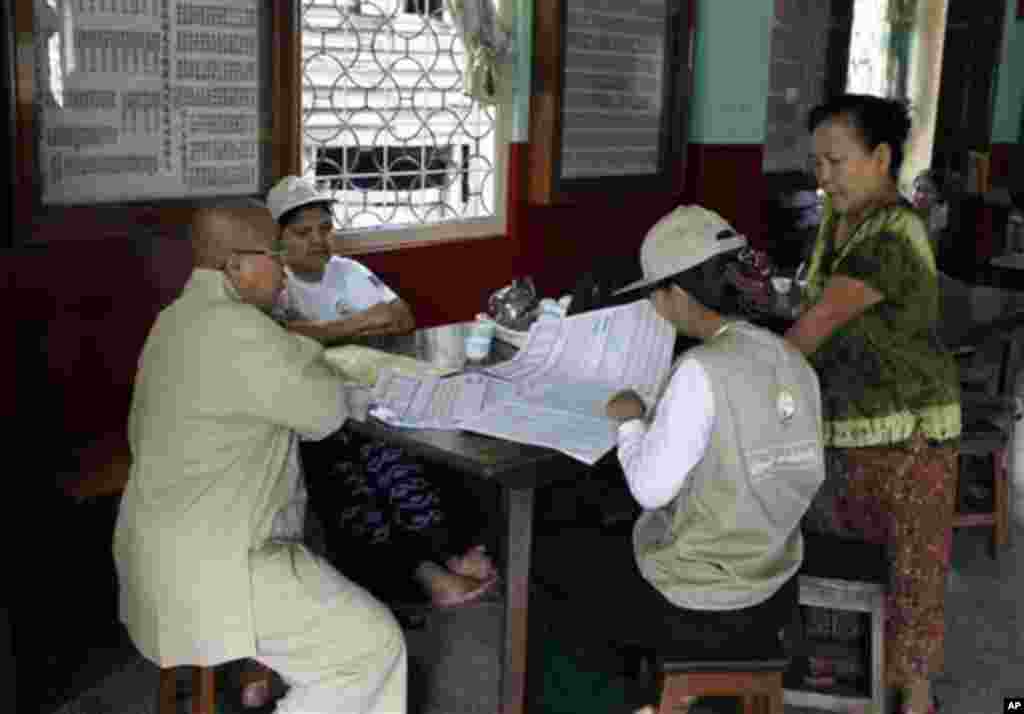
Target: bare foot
{"type": "Point", "coordinates": [447, 589]}
{"type": "Point", "coordinates": [474, 563]}
{"type": "Point", "coordinates": [255, 681]}
{"type": "Point", "coordinates": [255, 695]}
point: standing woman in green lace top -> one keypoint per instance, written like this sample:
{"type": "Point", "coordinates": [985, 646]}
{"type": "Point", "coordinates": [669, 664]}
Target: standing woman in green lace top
{"type": "Point", "coordinates": [889, 386]}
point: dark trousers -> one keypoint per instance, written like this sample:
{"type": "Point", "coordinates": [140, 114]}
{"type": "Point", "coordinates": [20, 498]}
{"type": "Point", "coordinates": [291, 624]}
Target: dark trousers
{"type": "Point", "coordinates": [383, 513]}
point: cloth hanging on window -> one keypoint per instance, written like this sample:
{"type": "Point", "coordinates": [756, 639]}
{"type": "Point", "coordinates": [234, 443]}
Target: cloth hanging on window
{"type": "Point", "coordinates": [902, 13]}
{"type": "Point", "coordinates": [902, 18]}
{"type": "Point", "coordinates": [488, 49]}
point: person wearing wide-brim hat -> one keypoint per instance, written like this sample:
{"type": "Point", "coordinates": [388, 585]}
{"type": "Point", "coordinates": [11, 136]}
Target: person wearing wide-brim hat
{"type": "Point", "coordinates": [724, 467]}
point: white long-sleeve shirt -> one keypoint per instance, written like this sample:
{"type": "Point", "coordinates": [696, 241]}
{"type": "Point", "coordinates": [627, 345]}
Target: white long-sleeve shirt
{"type": "Point", "coordinates": [657, 458]}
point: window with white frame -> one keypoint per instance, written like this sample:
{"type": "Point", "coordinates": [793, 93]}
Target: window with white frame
{"type": "Point", "coordinates": [385, 123]}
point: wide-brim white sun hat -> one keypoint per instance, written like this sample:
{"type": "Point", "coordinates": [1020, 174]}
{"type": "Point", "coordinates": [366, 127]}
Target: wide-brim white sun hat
{"type": "Point", "coordinates": [682, 239]}
{"type": "Point", "coordinates": [293, 192]}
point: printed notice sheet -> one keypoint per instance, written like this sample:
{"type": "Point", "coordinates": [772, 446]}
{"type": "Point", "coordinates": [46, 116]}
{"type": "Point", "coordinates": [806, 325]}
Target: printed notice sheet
{"type": "Point", "coordinates": [148, 98]}
{"type": "Point", "coordinates": [553, 393]}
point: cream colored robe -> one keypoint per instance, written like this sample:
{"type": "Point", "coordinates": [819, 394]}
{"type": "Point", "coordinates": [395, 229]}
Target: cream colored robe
{"type": "Point", "coordinates": [221, 395]}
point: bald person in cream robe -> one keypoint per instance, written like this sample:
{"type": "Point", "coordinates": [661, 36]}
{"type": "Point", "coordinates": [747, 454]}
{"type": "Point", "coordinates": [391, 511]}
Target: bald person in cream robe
{"type": "Point", "coordinates": [207, 543]}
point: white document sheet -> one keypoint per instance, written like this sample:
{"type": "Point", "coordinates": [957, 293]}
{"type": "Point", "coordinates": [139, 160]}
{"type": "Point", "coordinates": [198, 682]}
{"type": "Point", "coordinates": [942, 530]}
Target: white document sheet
{"type": "Point", "coordinates": [584, 359]}
{"type": "Point", "coordinates": [429, 402]}
{"type": "Point", "coordinates": [553, 392]}
{"type": "Point", "coordinates": [583, 437]}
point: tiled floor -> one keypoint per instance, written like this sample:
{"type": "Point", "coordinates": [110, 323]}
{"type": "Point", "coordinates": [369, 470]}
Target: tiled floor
{"type": "Point", "coordinates": [455, 654]}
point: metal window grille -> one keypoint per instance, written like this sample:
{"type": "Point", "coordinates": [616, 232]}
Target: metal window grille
{"type": "Point", "coordinates": [386, 126]}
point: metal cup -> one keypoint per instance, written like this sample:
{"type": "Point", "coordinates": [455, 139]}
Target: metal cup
{"type": "Point", "coordinates": [445, 347]}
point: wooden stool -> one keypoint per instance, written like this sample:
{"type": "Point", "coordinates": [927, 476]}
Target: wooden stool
{"type": "Point", "coordinates": [749, 668]}
{"type": "Point", "coordinates": [758, 684]}
{"type": "Point", "coordinates": [988, 422]}
{"type": "Point", "coordinates": [846, 576]}
{"type": "Point", "coordinates": [203, 688]}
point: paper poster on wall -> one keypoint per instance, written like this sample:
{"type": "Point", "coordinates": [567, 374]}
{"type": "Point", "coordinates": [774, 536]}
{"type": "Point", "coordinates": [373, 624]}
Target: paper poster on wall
{"type": "Point", "coordinates": [146, 99]}
{"type": "Point", "coordinates": [613, 87]}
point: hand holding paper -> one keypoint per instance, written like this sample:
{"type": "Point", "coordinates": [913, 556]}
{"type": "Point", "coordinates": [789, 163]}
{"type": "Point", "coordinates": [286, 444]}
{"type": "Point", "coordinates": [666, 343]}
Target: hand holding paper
{"type": "Point", "coordinates": [625, 405]}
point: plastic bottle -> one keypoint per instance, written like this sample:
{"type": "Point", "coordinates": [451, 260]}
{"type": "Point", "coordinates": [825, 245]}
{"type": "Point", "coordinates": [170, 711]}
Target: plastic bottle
{"type": "Point", "coordinates": [1016, 465]}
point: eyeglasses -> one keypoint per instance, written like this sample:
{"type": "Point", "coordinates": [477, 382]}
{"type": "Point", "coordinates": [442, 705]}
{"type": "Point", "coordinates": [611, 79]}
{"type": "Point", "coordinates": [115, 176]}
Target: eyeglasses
{"type": "Point", "coordinates": [272, 253]}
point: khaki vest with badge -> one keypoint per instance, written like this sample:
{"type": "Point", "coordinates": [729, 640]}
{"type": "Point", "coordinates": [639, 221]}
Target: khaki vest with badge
{"type": "Point", "coordinates": [731, 538]}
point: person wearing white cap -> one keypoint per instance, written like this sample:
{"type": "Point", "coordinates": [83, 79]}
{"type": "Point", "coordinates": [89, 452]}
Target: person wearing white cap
{"type": "Point", "coordinates": [328, 298]}
{"type": "Point", "coordinates": [724, 467]}
{"type": "Point", "coordinates": [371, 496]}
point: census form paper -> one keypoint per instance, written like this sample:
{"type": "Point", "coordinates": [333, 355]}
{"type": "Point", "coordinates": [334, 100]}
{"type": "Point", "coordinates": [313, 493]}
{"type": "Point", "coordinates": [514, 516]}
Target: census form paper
{"type": "Point", "coordinates": [576, 363]}
{"type": "Point", "coordinates": [553, 392]}
{"type": "Point", "coordinates": [567, 371]}
{"type": "Point", "coordinates": [430, 402]}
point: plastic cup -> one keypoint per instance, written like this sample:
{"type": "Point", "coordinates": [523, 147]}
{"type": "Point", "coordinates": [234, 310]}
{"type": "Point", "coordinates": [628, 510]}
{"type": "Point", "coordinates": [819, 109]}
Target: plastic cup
{"type": "Point", "coordinates": [549, 310]}
{"type": "Point", "coordinates": [479, 339]}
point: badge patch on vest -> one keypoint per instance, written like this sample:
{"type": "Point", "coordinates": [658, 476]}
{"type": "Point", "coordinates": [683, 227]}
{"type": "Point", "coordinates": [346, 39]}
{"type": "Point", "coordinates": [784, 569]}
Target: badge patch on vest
{"type": "Point", "coordinates": [785, 405]}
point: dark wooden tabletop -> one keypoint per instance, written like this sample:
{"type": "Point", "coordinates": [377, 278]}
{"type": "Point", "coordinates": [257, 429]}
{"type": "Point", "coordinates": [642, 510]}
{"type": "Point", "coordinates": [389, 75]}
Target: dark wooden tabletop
{"type": "Point", "coordinates": [512, 464]}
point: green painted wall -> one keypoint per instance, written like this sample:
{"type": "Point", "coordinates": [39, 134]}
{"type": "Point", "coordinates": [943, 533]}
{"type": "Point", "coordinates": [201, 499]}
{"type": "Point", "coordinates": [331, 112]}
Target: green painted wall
{"type": "Point", "coordinates": [1006, 119]}
{"type": "Point", "coordinates": [730, 77]}
{"type": "Point", "coordinates": [731, 71]}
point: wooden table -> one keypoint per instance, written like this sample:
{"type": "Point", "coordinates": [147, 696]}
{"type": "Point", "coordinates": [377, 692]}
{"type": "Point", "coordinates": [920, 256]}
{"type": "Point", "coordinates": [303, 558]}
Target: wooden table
{"type": "Point", "coordinates": [517, 469]}
{"type": "Point", "coordinates": [971, 313]}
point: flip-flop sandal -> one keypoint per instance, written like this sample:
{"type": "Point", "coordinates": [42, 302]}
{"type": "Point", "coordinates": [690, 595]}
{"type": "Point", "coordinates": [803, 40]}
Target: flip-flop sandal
{"type": "Point", "coordinates": [467, 597]}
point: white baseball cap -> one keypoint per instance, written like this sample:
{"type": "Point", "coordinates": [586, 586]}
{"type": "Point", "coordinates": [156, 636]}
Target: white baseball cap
{"type": "Point", "coordinates": [683, 239]}
{"type": "Point", "coordinates": [293, 192]}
